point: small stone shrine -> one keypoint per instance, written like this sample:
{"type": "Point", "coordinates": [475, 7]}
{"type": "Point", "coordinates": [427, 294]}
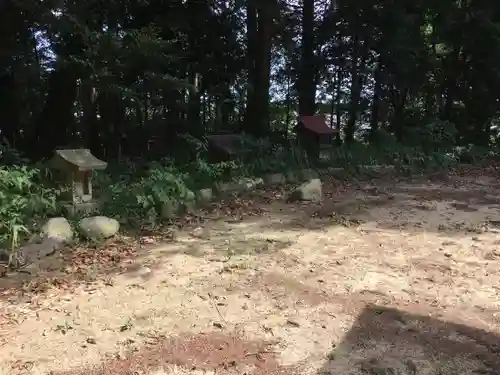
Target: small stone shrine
{"type": "Point", "coordinates": [314, 135]}
{"type": "Point", "coordinates": [226, 147]}
{"type": "Point", "coordinates": [77, 166]}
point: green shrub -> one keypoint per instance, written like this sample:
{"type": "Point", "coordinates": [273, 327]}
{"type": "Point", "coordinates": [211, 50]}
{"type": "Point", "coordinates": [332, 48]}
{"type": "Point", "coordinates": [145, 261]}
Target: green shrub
{"type": "Point", "coordinates": [472, 154]}
{"type": "Point", "coordinates": [434, 136]}
{"type": "Point", "coordinates": [10, 156]}
{"type": "Point", "coordinates": [274, 158]}
{"type": "Point", "coordinates": [387, 151]}
{"type": "Point", "coordinates": [136, 195]}
{"type": "Point", "coordinates": [138, 199]}
{"type": "Point", "coordinates": [24, 201]}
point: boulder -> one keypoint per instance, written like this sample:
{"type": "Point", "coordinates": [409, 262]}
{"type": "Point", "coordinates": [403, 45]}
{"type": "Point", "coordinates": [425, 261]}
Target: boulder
{"type": "Point", "coordinates": [308, 191]}
{"type": "Point", "coordinates": [32, 252]}
{"type": "Point", "coordinates": [250, 183]}
{"type": "Point", "coordinates": [58, 228]}
{"type": "Point", "coordinates": [204, 195]}
{"type": "Point", "coordinates": [292, 178]}
{"type": "Point", "coordinates": [227, 187]}
{"type": "Point", "coordinates": [382, 168]}
{"type": "Point", "coordinates": [274, 179]}
{"type": "Point", "coordinates": [99, 227]}
{"type": "Point", "coordinates": [189, 202]}
{"type": "Point", "coordinates": [170, 209]}
{"type": "Point", "coordinates": [189, 196]}
{"type": "Point", "coordinates": [337, 171]}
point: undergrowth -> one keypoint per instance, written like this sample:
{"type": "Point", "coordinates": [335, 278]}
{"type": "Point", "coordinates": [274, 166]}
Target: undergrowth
{"type": "Point", "coordinates": [134, 191]}
{"type": "Point", "coordinates": [24, 199]}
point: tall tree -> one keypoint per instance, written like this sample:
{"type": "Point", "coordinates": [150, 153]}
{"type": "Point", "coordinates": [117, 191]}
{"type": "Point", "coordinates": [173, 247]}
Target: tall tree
{"type": "Point", "coordinates": [260, 14]}
{"type": "Point", "coordinates": [308, 66]}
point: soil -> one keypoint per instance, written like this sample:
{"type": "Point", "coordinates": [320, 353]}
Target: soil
{"type": "Point", "coordinates": [387, 276]}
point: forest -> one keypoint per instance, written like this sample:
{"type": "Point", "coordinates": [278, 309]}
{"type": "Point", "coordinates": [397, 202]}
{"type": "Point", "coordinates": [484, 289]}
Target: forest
{"type": "Point", "coordinates": [141, 83]}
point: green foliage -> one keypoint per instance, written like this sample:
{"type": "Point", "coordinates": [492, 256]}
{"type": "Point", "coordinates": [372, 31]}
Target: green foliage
{"type": "Point", "coordinates": [138, 198]}
{"type": "Point", "coordinates": [136, 195]}
{"type": "Point", "coordinates": [387, 151]}
{"type": "Point", "coordinates": [471, 154]}
{"type": "Point", "coordinates": [135, 79]}
{"type": "Point", "coordinates": [273, 158]}
{"type": "Point", "coordinates": [434, 136]}
{"type": "Point", "coordinates": [24, 200]}
{"type": "Point", "coordinates": [140, 72]}
{"type": "Point", "coordinates": [9, 155]}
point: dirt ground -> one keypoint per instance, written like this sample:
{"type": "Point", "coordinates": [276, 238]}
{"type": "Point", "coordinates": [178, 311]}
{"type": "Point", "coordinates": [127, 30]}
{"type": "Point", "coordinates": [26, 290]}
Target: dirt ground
{"type": "Point", "coordinates": [386, 276]}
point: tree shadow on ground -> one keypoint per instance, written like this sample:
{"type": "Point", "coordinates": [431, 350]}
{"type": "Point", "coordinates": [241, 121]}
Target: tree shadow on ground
{"type": "Point", "coordinates": [382, 341]}
{"type": "Point", "coordinates": [453, 206]}
{"type": "Point", "coordinates": [101, 262]}
{"type": "Point", "coordinates": [387, 341]}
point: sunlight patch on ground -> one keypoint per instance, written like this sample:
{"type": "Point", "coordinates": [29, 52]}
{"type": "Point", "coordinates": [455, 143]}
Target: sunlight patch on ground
{"type": "Point", "coordinates": [277, 280]}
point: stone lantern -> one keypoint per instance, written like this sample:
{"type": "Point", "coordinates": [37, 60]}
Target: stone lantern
{"type": "Point", "coordinates": [77, 166]}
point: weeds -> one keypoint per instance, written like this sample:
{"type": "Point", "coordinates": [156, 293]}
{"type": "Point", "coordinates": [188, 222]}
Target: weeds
{"type": "Point", "coordinates": [135, 191]}
{"type": "Point", "coordinates": [24, 201]}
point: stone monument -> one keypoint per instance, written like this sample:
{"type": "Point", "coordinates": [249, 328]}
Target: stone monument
{"type": "Point", "coordinates": [77, 166]}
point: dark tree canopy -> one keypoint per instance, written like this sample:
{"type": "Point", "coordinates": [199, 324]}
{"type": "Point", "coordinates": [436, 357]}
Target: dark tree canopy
{"type": "Point", "coordinates": [124, 78]}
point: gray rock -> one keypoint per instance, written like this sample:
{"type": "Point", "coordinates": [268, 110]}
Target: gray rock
{"type": "Point", "coordinates": [190, 196]}
{"type": "Point", "coordinates": [204, 195]}
{"type": "Point", "coordinates": [170, 209]}
{"type": "Point", "coordinates": [274, 179]}
{"type": "Point", "coordinates": [187, 207]}
{"type": "Point", "coordinates": [189, 202]}
{"type": "Point", "coordinates": [58, 228]}
{"type": "Point", "coordinates": [308, 191]}
{"type": "Point", "coordinates": [336, 171]}
{"type": "Point", "coordinates": [382, 168]}
{"type": "Point", "coordinates": [31, 252]}
{"type": "Point", "coordinates": [250, 183]}
{"type": "Point", "coordinates": [292, 178]}
{"type": "Point", "coordinates": [99, 227]}
{"type": "Point", "coordinates": [227, 187]}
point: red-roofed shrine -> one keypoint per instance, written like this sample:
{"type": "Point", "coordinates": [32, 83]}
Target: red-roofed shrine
{"type": "Point", "coordinates": [314, 134]}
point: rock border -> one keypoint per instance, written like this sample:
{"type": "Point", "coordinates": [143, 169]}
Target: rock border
{"type": "Point", "coordinates": [208, 195]}
{"type": "Point", "coordinates": [57, 233]}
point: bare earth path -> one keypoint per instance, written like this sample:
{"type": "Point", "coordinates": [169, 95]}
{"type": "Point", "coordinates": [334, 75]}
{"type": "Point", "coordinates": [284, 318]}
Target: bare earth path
{"type": "Point", "coordinates": [386, 278]}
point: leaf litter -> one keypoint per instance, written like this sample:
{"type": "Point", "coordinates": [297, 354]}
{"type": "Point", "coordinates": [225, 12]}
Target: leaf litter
{"type": "Point", "coordinates": [363, 260]}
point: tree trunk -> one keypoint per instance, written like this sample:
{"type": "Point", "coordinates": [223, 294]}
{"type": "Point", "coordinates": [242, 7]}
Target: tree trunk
{"type": "Point", "coordinates": [56, 124]}
{"type": "Point", "coordinates": [9, 108]}
{"type": "Point", "coordinates": [194, 106]}
{"type": "Point", "coordinates": [355, 92]}
{"type": "Point", "coordinates": [398, 119]}
{"type": "Point", "coordinates": [338, 113]}
{"type": "Point", "coordinates": [307, 77]}
{"type": "Point", "coordinates": [259, 42]}
{"type": "Point", "coordinates": [251, 23]}
{"type": "Point", "coordinates": [377, 93]}
{"type": "Point", "coordinates": [88, 98]}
